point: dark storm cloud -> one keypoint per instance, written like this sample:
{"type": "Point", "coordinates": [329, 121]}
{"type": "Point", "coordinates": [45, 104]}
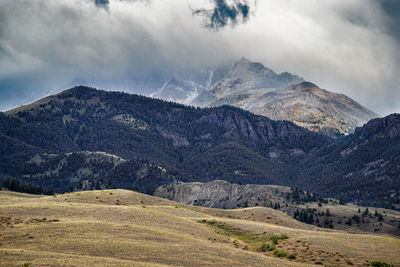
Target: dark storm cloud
{"type": "Point", "coordinates": [101, 3]}
{"type": "Point", "coordinates": [392, 9]}
{"type": "Point", "coordinates": [224, 14]}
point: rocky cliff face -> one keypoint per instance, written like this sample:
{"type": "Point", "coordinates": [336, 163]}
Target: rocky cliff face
{"type": "Point", "coordinates": [221, 194]}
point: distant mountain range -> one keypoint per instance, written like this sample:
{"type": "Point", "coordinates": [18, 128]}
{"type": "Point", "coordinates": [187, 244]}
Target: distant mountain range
{"type": "Point", "coordinates": [85, 138]}
{"type": "Point", "coordinates": [284, 96]}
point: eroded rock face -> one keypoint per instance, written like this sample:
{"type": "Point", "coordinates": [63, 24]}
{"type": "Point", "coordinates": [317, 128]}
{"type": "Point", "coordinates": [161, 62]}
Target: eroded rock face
{"type": "Point", "coordinates": [221, 194]}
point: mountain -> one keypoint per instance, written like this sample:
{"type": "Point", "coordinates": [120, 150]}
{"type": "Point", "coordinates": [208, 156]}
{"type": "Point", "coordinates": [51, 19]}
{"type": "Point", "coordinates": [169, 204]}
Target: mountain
{"type": "Point", "coordinates": [142, 143]}
{"type": "Point", "coordinates": [363, 166]}
{"type": "Point", "coordinates": [179, 91]}
{"type": "Point", "coordinates": [244, 76]}
{"type": "Point", "coordinates": [306, 105]}
{"type": "Point", "coordinates": [184, 88]}
{"type": "Point", "coordinates": [88, 138]}
{"type": "Point", "coordinates": [254, 87]}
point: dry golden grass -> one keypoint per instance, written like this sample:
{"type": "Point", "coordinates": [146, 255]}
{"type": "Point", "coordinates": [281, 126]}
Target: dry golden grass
{"type": "Point", "coordinates": [124, 228]}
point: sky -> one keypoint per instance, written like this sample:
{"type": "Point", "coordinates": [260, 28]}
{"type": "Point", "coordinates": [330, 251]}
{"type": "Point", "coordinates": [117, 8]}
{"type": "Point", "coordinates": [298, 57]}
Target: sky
{"type": "Point", "coordinates": [346, 46]}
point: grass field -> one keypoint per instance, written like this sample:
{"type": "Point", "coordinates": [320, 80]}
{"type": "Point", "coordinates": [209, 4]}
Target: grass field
{"type": "Point", "coordinates": [124, 228]}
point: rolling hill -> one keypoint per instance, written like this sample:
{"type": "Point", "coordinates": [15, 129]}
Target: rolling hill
{"type": "Point", "coordinates": [119, 227]}
{"type": "Point", "coordinates": [304, 206]}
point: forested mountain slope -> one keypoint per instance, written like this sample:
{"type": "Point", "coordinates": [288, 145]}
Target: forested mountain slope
{"type": "Point", "coordinates": [85, 138]}
{"type": "Point", "coordinates": [189, 143]}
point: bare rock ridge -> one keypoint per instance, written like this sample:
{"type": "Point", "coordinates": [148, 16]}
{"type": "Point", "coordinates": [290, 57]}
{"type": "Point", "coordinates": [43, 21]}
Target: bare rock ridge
{"type": "Point", "coordinates": [221, 194]}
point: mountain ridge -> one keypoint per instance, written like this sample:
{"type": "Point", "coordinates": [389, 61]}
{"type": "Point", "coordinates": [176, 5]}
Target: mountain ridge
{"type": "Point", "coordinates": [184, 140]}
{"type": "Point", "coordinates": [164, 142]}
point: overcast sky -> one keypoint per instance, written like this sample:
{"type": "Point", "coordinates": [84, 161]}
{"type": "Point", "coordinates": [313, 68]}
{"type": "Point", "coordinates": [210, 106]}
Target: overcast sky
{"type": "Point", "coordinates": [346, 46]}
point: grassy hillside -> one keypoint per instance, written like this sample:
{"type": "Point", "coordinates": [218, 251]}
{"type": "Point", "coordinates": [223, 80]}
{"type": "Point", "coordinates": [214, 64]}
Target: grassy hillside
{"type": "Point", "coordinates": [119, 227]}
{"type": "Point", "coordinates": [299, 204]}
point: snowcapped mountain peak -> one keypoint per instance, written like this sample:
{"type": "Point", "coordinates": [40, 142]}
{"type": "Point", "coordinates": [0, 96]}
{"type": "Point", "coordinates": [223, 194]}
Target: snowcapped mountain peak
{"type": "Point", "coordinates": [245, 75]}
{"type": "Point", "coordinates": [245, 67]}
{"type": "Point", "coordinates": [244, 60]}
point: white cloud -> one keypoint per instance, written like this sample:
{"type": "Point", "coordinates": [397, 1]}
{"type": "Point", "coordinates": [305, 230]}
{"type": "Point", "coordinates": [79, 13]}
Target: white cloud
{"type": "Point", "coordinates": [341, 45]}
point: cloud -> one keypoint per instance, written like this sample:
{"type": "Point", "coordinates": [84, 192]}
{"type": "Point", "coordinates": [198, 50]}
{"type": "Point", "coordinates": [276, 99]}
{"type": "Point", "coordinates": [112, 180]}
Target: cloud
{"type": "Point", "coordinates": [224, 14]}
{"type": "Point", "coordinates": [344, 46]}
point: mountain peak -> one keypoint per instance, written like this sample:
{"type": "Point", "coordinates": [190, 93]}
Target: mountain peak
{"type": "Point", "coordinates": [244, 60]}
{"type": "Point", "coordinates": [244, 66]}
{"type": "Point", "coordinates": [303, 86]}
{"type": "Point", "coordinates": [79, 89]}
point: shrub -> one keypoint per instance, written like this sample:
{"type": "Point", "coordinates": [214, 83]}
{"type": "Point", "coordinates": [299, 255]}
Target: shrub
{"type": "Point", "coordinates": [292, 256]}
{"type": "Point", "coordinates": [280, 253]}
{"type": "Point", "coordinates": [274, 239]}
{"type": "Point", "coordinates": [265, 247]}
{"type": "Point", "coordinates": [380, 264]}
{"type": "Point", "coordinates": [283, 236]}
